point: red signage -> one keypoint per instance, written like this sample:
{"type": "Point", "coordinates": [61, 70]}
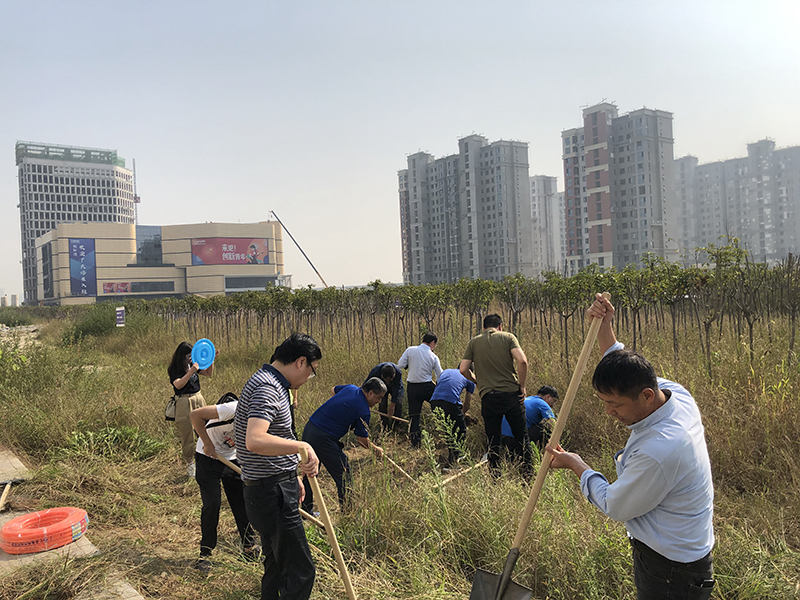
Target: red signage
{"type": "Point", "coordinates": [229, 251]}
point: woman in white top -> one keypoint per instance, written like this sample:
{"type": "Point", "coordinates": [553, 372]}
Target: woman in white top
{"type": "Point", "coordinates": [214, 427]}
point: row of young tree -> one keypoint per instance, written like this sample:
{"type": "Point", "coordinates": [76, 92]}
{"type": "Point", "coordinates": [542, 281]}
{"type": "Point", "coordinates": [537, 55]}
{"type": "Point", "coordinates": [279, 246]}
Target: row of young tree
{"type": "Point", "coordinates": [728, 290]}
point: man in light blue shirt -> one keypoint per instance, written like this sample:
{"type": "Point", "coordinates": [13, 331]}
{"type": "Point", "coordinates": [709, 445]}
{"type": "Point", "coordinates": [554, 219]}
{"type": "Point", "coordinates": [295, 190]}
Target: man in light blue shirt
{"type": "Point", "coordinates": [663, 493]}
{"type": "Point", "coordinates": [447, 398]}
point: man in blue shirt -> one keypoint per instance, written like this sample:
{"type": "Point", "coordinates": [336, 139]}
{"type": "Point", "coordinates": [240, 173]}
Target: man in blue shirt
{"type": "Point", "coordinates": [538, 411]}
{"type": "Point", "coordinates": [392, 403]}
{"type": "Point", "coordinates": [447, 398]}
{"type": "Point", "coordinates": [347, 409]}
{"type": "Point", "coordinates": [663, 492]}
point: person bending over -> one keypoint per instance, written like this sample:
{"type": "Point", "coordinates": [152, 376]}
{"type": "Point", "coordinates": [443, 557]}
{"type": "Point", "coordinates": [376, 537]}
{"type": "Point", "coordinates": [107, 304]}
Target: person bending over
{"type": "Point", "coordinates": [447, 398]}
{"type": "Point", "coordinates": [392, 403]}
{"type": "Point", "coordinates": [214, 427]}
{"type": "Point", "coordinates": [347, 409]}
{"type": "Point", "coordinates": [539, 418]}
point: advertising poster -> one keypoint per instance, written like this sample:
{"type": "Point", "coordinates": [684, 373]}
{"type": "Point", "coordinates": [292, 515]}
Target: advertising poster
{"type": "Point", "coordinates": [229, 251]}
{"type": "Point", "coordinates": [82, 271]}
{"type": "Point", "coordinates": [123, 287]}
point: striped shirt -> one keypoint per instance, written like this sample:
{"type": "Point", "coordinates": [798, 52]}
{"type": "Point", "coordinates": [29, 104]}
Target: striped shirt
{"type": "Point", "coordinates": [265, 396]}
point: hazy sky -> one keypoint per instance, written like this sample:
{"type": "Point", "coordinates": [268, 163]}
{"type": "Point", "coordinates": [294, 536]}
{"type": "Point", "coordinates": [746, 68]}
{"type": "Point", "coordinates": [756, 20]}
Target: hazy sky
{"type": "Point", "coordinates": [233, 109]}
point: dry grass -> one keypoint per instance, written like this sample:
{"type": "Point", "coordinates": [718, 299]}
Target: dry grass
{"type": "Point", "coordinates": [401, 540]}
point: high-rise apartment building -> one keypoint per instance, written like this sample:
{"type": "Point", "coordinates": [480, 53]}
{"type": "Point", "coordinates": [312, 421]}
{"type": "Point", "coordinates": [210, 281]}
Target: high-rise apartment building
{"type": "Point", "coordinates": [467, 214]}
{"type": "Point", "coordinates": [66, 184]}
{"type": "Point", "coordinates": [754, 198]}
{"type": "Point", "coordinates": [549, 225]}
{"type": "Point", "coordinates": [619, 187]}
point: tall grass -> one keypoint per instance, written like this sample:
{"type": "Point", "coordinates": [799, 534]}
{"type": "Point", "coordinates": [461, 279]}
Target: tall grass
{"type": "Point", "coordinates": [88, 411]}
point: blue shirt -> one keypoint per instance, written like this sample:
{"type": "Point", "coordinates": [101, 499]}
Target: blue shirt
{"type": "Point", "coordinates": [395, 388]}
{"type": "Point", "coordinates": [343, 412]}
{"type": "Point", "coordinates": [449, 386]}
{"type": "Point", "coordinates": [265, 396]}
{"type": "Point", "coordinates": [536, 410]}
{"type": "Point", "coordinates": [663, 493]}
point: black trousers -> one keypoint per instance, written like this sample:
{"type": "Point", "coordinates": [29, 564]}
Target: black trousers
{"type": "Point", "coordinates": [331, 454]}
{"type": "Point", "coordinates": [383, 407]}
{"type": "Point", "coordinates": [455, 415]}
{"type": "Point", "coordinates": [536, 435]}
{"type": "Point", "coordinates": [418, 394]}
{"type": "Point", "coordinates": [659, 578]}
{"type": "Point", "coordinates": [495, 406]}
{"type": "Point", "coordinates": [273, 511]}
{"type": "Point", "coordinates": [209, 473]}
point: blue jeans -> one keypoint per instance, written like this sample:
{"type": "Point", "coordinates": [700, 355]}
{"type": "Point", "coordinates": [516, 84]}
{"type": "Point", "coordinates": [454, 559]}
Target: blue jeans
{"type": "Point", "coordinates": [273, 511]}
{"type": "Point", "coordinates": [659, 578]}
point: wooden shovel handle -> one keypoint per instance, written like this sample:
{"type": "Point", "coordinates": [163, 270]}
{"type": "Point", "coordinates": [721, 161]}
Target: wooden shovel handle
{"type": "Point", "coordinates": [326, 519]}
{"type": "Point", "coordinates": [563, 414]}
{"type": "Point", "coordinates": [303, 513]}
{"type": "Point", "coordinates": [391, 462]}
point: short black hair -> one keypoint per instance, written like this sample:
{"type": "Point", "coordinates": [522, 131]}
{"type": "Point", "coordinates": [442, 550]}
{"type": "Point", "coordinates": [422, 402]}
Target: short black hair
{"type": "Point", "coordinates": [430, 337]}
{"type": "Point", "coordinates": [625, 373]}
{"type": "Point", "coordinates": [492, 320]}
{"type": "Point", "coordinates": [295, 346]}
{"type": "Point", "coordinates": [388, 371]}
{"type": "Point", "coordinates": [374, 385]}
{"type": "Point", "coordinates": [547, 390]}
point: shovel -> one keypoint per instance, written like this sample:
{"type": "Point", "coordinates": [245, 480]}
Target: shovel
{"type": "Point", "coordinates": [488, 586]}
{"type": "Point", "coordinates": [326, 519]}
{"type": "Point", "coordinates": [391, 462]}
{"type": "Point", "coordinates": [7, 490]}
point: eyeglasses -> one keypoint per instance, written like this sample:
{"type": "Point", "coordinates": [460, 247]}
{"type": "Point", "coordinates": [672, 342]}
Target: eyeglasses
{"type": "Point", "coordinates": [313, 371]}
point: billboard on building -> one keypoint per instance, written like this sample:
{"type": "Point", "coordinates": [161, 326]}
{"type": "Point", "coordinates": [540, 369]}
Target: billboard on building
{"type": "Point", "coordinates": [229, 251]}
{"type": "Point", "coordinates": [82, 267]}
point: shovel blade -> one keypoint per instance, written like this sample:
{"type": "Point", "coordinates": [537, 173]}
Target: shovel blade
{"type": "Point", "coordinates": [485, 585]}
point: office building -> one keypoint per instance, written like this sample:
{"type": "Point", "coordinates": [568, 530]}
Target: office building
{"type": "Point", "coordinates": [755, 198]}
{"type": "Point", "coordinates": [83, 263]}
{"type": "Point", "coordinates": [618, 173]}
{"type": "Point", "coordinates": [549, 224]}
{"type": "Point", "coordinates": [467, 214]}
{"type": "Point", "coordinates": [66, 184]}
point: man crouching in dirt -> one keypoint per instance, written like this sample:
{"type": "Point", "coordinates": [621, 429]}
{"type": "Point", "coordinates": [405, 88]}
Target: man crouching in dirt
{"type": "Point", "coordinates": [267, 452]}
{"type": "Point", "coordinates": [663, 493]}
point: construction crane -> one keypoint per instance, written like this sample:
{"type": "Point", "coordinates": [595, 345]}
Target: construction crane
{"type": "Point", "coordinates": [299, 248]}
{"type": "Point", "coordinates": [136, 199]}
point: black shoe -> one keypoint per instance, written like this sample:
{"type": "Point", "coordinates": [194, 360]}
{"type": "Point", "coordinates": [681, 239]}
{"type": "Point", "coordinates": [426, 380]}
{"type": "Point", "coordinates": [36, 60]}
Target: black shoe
{"type": "Point", "coordinates": [203, 564]}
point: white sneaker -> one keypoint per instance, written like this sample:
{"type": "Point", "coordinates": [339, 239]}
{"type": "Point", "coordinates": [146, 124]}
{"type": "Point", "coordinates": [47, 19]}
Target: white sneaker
{"type": "Point", "coordinates": [190, 469]}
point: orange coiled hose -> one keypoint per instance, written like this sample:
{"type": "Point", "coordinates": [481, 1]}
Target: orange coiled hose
{"type": "Point", "coordinates": [43, 530]}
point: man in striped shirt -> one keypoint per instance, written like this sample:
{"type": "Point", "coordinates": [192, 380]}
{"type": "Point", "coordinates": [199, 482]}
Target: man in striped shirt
{"type": "Point", "coordinates": [267, 452]}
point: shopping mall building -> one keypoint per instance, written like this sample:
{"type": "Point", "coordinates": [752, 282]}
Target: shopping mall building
{"type": "Point", "coordinates": [83, 263]}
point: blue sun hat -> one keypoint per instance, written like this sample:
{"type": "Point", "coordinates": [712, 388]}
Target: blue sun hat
{"type": "Point", "coordinates": [203, 353]}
